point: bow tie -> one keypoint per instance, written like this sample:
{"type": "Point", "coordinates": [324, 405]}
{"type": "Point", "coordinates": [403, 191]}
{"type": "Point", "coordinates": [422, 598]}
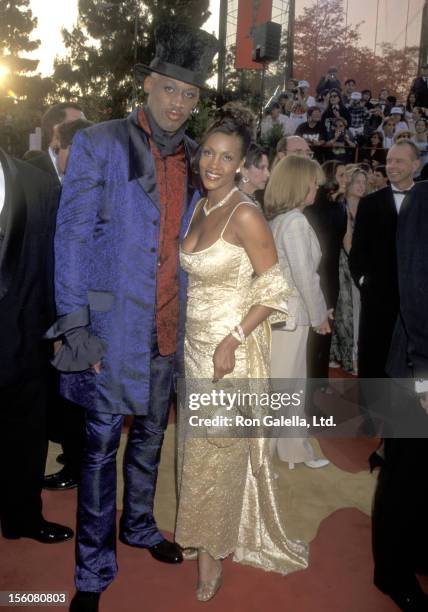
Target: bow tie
{"type": "Point", "coordinates": [401, 192]}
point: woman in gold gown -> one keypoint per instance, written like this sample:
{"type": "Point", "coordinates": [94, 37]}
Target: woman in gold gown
{"type": "Point", "coordinates": [227, 498]}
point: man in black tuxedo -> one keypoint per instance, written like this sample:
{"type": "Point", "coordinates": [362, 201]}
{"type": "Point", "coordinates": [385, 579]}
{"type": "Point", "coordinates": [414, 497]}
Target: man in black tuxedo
{"type": "Point", "coordinates": [373, 265]}
{"type": "Point", "coordinates": [420, 87]}
{"type": "Point", "coordinates": [69, 418]}
{"type": "Point", "coordinates": [51, 120]}
{"type": "Point", "coordinates": [27, 217]}
{"type": "Point", "coordinates": [400, 528]}
{"type": "Point", "coordinates": [372, 259]}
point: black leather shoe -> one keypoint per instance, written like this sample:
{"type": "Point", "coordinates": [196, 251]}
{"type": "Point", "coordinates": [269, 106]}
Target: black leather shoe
{"type": "Point", "coordinates": [168, 552]}
{"type": "Point", "coordinates": [415, 601]}
{"type": "Point", "coordinates": [375, 461]}
{"type": "Point", "coordinates": [368, 429]}
{"type": "Point", "coordinates": [60, 481]}
{"type": "Point", "coordinates": [46, 533]}
{"type": "Point", "coordinates": [85, 601]}
{"type": "Point", "coordinates": [411, 599]}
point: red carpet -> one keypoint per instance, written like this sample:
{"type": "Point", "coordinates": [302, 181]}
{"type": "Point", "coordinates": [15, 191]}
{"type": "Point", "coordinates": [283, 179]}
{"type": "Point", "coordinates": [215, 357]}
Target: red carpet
{"type": "Point", "coordinates": [349, 454]}
{"type": "Point", "coordinates": [338, 579]}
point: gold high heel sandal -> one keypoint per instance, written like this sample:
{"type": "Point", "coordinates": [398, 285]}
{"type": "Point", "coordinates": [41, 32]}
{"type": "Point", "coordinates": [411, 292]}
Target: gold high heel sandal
{"type": "Point", "coordinates": [206, 590]}
{"type": "Point", "coordinates": [190, 554]}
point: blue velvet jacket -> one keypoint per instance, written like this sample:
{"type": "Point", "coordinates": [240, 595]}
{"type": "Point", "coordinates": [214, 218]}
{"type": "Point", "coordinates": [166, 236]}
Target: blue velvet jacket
{"type": "Point", "coordinates": [106, 250]}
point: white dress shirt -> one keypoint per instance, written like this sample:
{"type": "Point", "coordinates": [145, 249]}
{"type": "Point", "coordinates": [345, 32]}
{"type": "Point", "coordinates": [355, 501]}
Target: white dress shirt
{"type": "Point", "coordinates": [399, 197]}
{"type": "Point", "coordinates": [54, 161]}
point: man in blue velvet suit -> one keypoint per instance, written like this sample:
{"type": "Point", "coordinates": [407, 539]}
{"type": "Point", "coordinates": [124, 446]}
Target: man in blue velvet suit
{"type": "Point", "coordinates": [126, 202]}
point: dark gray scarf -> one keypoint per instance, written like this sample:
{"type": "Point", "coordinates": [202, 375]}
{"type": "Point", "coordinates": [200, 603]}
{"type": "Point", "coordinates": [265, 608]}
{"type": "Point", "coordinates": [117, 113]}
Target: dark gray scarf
{"type": "Point", "coordinates": [166, 142]}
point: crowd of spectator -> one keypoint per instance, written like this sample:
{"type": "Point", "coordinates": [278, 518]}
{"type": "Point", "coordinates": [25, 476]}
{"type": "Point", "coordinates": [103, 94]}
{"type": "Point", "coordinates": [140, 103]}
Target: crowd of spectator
{"type": "Point", "coordinates": [347, 123]}
{"type": "Point", "coordinates": [353, 130]}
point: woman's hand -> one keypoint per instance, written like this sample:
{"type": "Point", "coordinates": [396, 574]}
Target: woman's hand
{"type": "Point", "coordinates": [224, 357]}
{"type": "Point", "coordinates": [324, 328]}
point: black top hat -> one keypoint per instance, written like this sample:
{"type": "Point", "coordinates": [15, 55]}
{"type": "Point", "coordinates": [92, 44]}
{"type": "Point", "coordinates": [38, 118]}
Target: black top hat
{"type": "Point", "coordinates": [181, 53]}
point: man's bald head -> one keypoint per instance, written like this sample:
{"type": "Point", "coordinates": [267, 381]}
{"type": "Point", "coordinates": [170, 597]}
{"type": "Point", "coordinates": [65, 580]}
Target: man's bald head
{"type": "Point", "coordinates": [402, 162]}
{"type": "Point", "coordinates": [291, 145]}
{"type": "Point", "coordinates": [298, 146]}
{"type": "Point", "coordinates": [170, 101]}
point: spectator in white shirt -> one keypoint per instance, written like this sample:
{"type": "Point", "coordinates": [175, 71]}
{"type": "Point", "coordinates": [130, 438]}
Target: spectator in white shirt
{"type": "Point", "coordinates": [273, 118]}
{"type": "Point", "coordinates": [387, 129]}
{"type": "Point", "coordinates": [397, 115]}
{"type": "Point", "coordinates": [303, 96]}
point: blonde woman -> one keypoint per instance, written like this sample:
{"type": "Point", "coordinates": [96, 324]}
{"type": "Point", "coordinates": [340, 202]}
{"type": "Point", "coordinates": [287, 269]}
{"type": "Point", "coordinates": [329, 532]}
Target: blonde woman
{"type": "Point", "coordinates": [292, 187]}
{"type": "Point", "coordinates": [344, 346]}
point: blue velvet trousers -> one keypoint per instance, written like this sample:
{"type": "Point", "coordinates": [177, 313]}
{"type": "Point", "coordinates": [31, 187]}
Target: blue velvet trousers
{"type": "Point", "coordinates": [96, 564]}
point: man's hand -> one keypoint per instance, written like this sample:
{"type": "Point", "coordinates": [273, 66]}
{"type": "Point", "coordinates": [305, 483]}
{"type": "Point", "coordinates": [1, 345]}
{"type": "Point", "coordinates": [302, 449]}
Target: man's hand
{"type": "Point", "coordinates": [97, 367]}
{"type": "Point", "coordinates": [58, 344]}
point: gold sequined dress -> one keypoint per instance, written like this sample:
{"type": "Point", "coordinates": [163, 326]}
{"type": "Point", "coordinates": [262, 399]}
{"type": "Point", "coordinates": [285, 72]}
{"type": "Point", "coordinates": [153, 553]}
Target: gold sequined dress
{"type": "Point", "coordinates": [227, 494]}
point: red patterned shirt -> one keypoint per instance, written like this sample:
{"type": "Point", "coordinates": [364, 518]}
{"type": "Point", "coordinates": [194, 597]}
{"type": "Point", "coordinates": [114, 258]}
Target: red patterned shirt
{"type": "Point", "coordinates": [171, 181]}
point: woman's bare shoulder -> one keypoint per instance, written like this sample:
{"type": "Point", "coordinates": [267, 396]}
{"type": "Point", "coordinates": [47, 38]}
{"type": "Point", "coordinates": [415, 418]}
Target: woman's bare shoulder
{"type": "Point", "coordinates": [245, 206]}
{"type": "Point", "coordinates": [248, 220]}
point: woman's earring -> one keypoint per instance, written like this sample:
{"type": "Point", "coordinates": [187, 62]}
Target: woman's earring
{"type": "Point", "coordinates": [245, 179]}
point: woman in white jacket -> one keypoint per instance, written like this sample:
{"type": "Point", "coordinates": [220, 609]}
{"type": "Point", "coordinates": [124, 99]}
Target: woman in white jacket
{"type": "Point", "coordinates": [292, 187]}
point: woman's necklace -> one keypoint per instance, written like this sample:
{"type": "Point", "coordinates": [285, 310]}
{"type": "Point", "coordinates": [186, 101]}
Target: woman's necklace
{"type": "Point", "coordinates": [252, 198]}
{"type": "Point", "coordinates": [222, 202]}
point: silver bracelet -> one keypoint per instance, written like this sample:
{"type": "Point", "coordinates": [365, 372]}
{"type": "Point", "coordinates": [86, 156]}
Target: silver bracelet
{"type": "Point", "coordinates": [235, 335]}
{"type": "Point", "coordinates": [241, 334]}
